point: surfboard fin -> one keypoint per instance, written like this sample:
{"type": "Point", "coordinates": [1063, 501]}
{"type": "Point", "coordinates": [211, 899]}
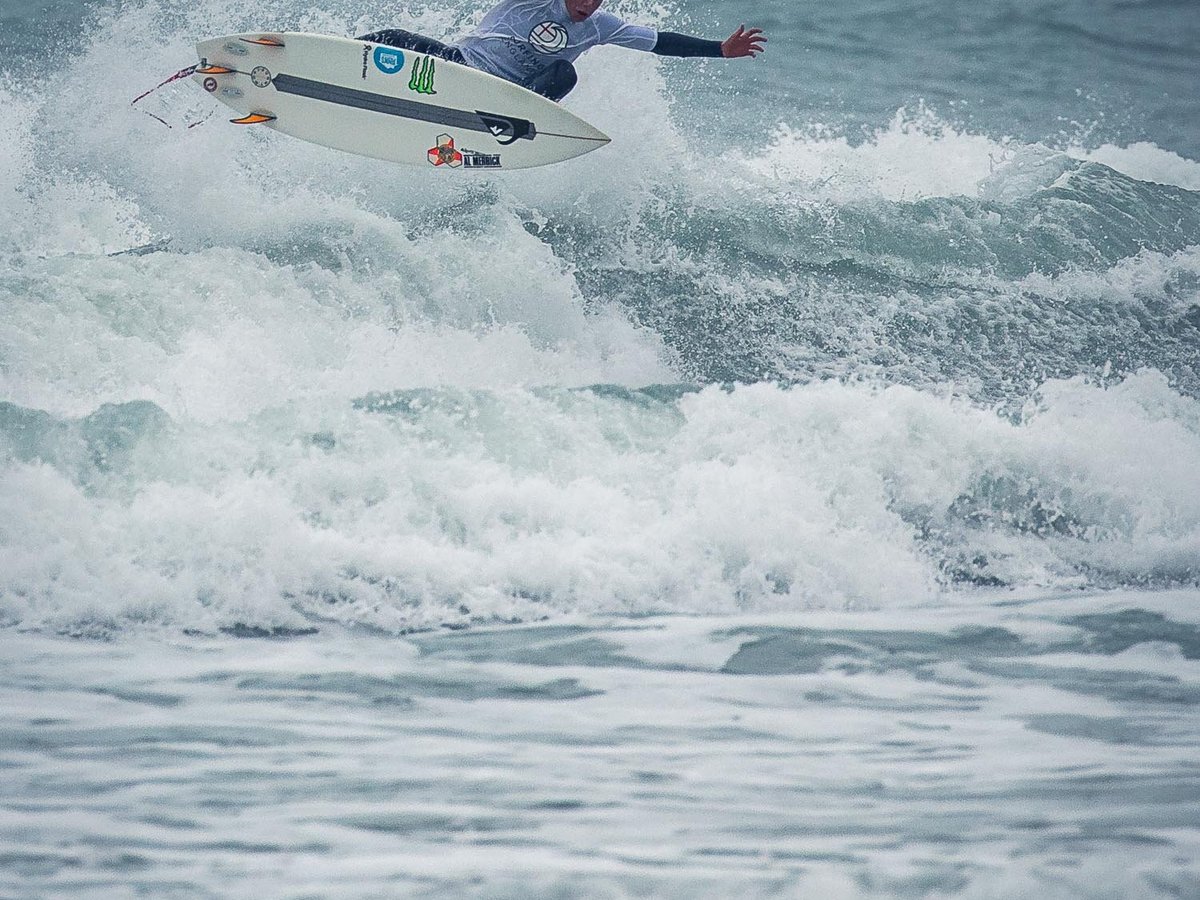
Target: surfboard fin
{"type": "Point", "coordinates": [254, 119]}
{"type": "Point", "coordinates": [214, 70]}
{"type": "Point", "coordinates": [264, 41]}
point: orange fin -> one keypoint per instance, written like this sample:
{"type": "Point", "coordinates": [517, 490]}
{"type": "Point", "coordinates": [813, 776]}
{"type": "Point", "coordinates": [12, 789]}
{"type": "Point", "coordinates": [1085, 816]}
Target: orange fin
{"type": "Point", "coordinates": [264, 41]}
{"type": "Point", "coordinates": [214, 70]}
{"type": "Point", "coordinates": [254, 119]}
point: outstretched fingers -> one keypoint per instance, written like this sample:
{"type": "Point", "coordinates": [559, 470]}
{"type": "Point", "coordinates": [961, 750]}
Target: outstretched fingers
{"type": "Point", "coordinates": [744, 42]}
{"type": "Point", "coordinates": [755, 39]}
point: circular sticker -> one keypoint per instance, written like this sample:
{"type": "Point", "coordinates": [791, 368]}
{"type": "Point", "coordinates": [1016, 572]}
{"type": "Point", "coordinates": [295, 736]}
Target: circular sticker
{"type": "Point", "coordinates": [261, 76]}
{"type": "Point", "coordinates": [548, 37]}
{"type": "Point", "coordinates": [210, 84]}
{"type": "Point", "coordinates": [388, 60]}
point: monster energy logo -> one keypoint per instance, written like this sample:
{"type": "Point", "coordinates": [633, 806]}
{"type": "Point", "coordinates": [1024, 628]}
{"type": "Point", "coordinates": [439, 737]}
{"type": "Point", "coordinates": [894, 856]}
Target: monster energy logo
{"type": "Point", "coordinates": [421, 79]}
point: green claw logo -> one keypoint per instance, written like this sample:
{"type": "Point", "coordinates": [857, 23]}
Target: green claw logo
{"type": "Point", "coordinates": [421, 79]}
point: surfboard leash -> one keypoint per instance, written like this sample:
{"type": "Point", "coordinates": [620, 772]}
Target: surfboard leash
{"type": "Point", "coordinates": [182, 73]}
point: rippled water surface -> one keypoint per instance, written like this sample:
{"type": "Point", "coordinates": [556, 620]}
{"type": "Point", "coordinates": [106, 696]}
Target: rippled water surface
{"type": "Point", "coordinates": [989, 750]}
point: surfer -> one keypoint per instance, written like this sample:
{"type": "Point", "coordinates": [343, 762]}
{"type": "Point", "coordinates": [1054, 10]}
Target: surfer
{"type": "Point", "coordinates": [534, 43]}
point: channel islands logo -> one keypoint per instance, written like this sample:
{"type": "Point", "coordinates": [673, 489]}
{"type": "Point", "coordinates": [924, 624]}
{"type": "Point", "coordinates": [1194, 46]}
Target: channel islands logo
{"type": "Point", "coordinates": [444, 153]}
{"type": "Point", "coordinates": [548, 37]}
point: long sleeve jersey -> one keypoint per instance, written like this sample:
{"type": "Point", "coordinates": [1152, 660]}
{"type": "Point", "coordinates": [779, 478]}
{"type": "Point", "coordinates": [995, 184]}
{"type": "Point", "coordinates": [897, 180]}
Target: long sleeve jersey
{"type": "Point", "coordinates": [520, 38]}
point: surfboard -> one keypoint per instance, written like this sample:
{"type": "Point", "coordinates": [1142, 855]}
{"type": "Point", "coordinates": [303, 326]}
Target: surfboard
{"type": "Point", "coordinates": [388, 103]}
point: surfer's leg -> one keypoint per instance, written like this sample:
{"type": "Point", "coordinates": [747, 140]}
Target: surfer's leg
{"type": "Point", "coordinates": [418, 43]}
{"type": "Point", "coordinates": [555, 81]}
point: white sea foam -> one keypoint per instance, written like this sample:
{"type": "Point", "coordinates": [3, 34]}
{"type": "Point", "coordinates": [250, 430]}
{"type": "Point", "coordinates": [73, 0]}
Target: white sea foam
{"type": "Point", "coordinates": [914, 157]}
{"type": "Point", "coordinates": [459, 505]}
{"type": "Point", "coordinates": [224, 333]}
{"type": "Point", "coordinates": [1146, 161]}
{"type": "Point", "coordinates": [1168, 282]}
{"type": "Point", "coordinates": [918, 155]}
{"type": "Point", "coordinates": [16, 160]}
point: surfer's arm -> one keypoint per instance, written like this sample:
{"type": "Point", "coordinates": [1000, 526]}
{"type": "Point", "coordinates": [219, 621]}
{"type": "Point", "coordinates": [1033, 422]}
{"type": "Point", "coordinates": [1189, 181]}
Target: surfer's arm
{"type": "Point", "coordinates": [740, 43]}
{"type": "Point", "coordinates": [671, 43]}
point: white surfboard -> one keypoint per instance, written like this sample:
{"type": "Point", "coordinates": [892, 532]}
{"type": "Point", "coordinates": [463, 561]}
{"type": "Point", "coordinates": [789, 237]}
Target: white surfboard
{"type": "Point", "coordinates": [388, 103]}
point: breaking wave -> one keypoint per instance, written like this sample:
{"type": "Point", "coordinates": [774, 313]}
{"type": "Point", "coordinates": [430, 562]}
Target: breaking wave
{"type": "Point", "coordinates": [252, 382]}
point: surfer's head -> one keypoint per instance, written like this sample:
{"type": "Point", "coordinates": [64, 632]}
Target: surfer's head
{"type": "Point", "coordinates": [579, 10]}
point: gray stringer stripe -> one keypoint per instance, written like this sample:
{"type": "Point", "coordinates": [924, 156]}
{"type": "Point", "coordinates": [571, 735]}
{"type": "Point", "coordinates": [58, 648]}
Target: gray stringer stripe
{"type": "Point", "coordinates": [392, 106]}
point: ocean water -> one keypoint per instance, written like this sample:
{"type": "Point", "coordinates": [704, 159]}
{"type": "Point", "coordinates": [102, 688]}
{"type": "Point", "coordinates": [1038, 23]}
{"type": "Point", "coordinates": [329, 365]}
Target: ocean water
{"type": "Point", "coordinates": [799, 496]}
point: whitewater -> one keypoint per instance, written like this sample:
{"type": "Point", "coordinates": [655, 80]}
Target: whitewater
{"type": "Point", "coordinates": [799, 496]}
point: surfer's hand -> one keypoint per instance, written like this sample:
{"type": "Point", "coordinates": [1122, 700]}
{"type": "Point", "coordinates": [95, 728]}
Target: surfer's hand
{"type": "Point", "coordinates": [744, 43]}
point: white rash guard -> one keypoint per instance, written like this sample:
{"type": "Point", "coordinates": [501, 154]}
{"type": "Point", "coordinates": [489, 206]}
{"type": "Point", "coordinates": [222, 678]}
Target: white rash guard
{"type": "Point", "coordinates": [520, 38]}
